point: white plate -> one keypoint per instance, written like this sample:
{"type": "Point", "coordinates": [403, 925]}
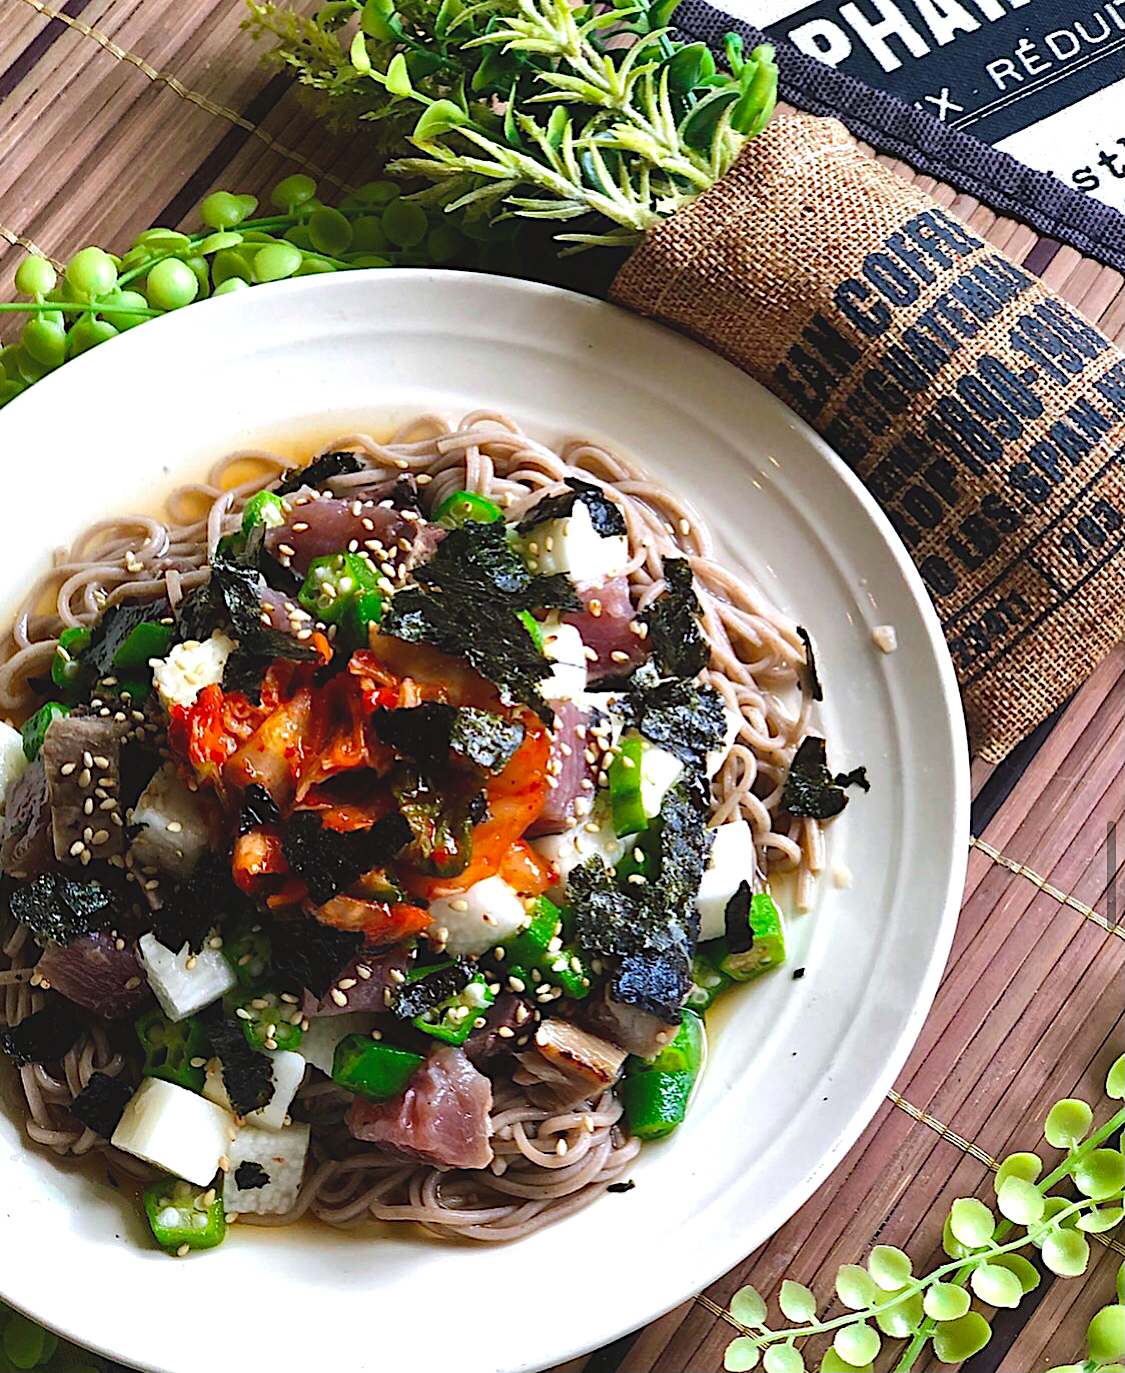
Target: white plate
{"type": "Point", "coordinates": [796, 1069]}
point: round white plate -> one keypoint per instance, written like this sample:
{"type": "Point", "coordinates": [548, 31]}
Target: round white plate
{"type": "Point", "coordinates": [796, 1069]}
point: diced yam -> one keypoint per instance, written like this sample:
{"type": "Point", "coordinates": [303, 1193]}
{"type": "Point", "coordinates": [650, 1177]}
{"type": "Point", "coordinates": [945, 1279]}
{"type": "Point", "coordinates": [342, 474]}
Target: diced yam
{"type": "Point", "coordinates": [280, 1154]}
{"type": "Point", "coordinates": [732, 862]}
{"type": "Point", "coordinates": [563, 645]}
{"type": "Point", "coordinates": [176, 1130]}
{"type": "Point", "coordinates": [189, 667]}
{"type": "Point", "coordinates": [573, 847]}
{"type": "Point", "coordinates": [318, 1043]}
{"type": "Point", "coordinates": [184, 982]}
{"type": "Point", "coordinates": [573, 546]}
{"type": "Point", "coordinates": [288, 1070]}
{"type": "Point", "coordinates": [13, 760]}
{"type": "Point", "coordinates": [485, 914]}
{"type": "Point", "coordinates": [175, 831]}
{"type": "Point", "coordinates": [660, 771]}
{"type": "Point", "coordinates": [716, 757]}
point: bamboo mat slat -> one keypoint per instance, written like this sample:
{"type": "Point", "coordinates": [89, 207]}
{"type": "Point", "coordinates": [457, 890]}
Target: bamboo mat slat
{"type": "Point", "coordinates": [119, 114]}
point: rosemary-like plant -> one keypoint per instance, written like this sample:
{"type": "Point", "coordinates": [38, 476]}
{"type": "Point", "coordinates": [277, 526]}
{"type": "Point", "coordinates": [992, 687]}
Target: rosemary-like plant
{"type": "Point", "coordinates": [541, 109]}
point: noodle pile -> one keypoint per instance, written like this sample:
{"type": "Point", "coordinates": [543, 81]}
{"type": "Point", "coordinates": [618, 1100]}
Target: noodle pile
{"type": "Point", "coordinates": [547, 1163]}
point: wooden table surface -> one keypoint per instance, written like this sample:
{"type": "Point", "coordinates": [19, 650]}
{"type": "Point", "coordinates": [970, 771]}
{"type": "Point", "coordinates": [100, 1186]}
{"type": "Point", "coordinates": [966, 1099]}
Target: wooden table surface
{"type": "Point", "coordinates": [119, 114]}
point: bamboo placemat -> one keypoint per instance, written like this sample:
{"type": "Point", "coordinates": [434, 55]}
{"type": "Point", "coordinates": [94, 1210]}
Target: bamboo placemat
{"type": "Point", "coordinates": [119, 114]}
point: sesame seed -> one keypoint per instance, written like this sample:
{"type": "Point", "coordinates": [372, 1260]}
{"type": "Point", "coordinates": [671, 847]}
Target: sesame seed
{"type": "Point", "coordinates": [561, 1147]}
{"type": "Point", "coordinates": [88, 806]}
{"type": "Point", "coordinates": [338, 997]}
{"type": "Point", "coordinates": [99, 761]}
{"type": "Point", "coordinates": [76, 848]}
{"type": "Point", "coordinates": [397, 975]}
{"type": "Point", "coordinates": [243, 1013]}
{"type": "Point", "coordinates": [183, 1250]}
{"type": "Point", "coordinates": [346, 983]}
{"type": "Point", "coordinates": [132, 984]}
{"type": "Point", "coordinates": [685, 526]}
{"type": "Point", "coordinates": [174, 827]}
{"type": "Point", "coordinates": [500, 954]}
{"type": "Point", "coordinates": [459, 905]}
{"type": "Point", "coordinates": [517, 984]}
{"type": "Point", "coordinates": [591, 656]}
{"type": "Point", "coordinates": [619, 656]}
{"type": "Point", "coordinates": [300, 527]}
{"type": "Point", "coordinates": [84, 778]}
{"type": "Point", "coordinates": [215, 942]}
{"type": "Point", "coordinates": [401, 464]}
{"type": "Point", "coordinates": [190, 963]}
{"type": "Point", "coordinates": [506, 1032]}
{"type": "Point", "coordinates": [363, 970]}
{"type": "Point", "coordinates": [89, 761]}
{"type": "Point", "coordinates": [108, 804]}
{"type": "Point", "coordinates": [424, 479]}
{"type": "Point", "coordinates": [198, 1063]}
{"type": "Point", "coordinates": [67, 769]}
{"type": "Point", "coordinates": [208, 1197]}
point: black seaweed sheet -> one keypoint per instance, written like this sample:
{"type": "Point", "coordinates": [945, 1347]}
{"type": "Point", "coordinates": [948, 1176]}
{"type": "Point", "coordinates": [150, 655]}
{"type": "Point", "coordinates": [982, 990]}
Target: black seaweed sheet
{"type": "Point", "coordinates": [45, 1036]}
{"type": "Point", "coordinates": [605, 514]}
{"type": "Point", "coordinates": [309, 954]}
{"type": "Point", "coordinates": [674, 636]}
{"type": "Point", "coordinates": [247, 1074]}
{"type": "Point", "coordinates": [57, 909]}
{"type": "Point", "coordinates": [330, 861]}
{"type": "Point", "coordinates": [100, 1104]}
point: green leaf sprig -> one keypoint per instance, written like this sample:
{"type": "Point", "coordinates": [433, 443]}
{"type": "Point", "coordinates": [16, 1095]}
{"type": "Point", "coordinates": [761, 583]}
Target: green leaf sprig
{"type": "Point", "coordinates": [886, 1298]}
{"type": "Point", "coordinates": [542, 109]}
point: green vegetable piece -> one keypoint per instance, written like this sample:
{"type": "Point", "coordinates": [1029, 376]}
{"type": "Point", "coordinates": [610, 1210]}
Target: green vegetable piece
{"type": "Point", "coordinates": [767, 946]}
{"type": "Point", "coordinates": [179, 1215]}
{"type": "Point", "coordinates": [463, 506]}
{"type": "Point", "coordinates": [147, 640]}
{"type": "Point", "coordinates": [68, 672]}
{"type": "Point", "coordinates": [174, 1050]}
{"type": "Point", "coordinates": [267, 1021]}
{"type": "Point", "coordinates": [263, 507]}
{"type": "Point", "coordinates": [708, 982]}
{"type": "Point", "coordinates": [533, 627]}
{"type": "Point", "coordinates": [655, 1091]}
{"type": "Point", "coordinates": [655, 1103]}
{"type": "Point", "coordinates": [452, 1020]}
{"type": "Point", "coordinates": [333, 582]}
{"type": "Point", "coordinates": [247, 949]}
{"type": "Point", "coordinates": [530, 959]}
{"type": "Point", "coordinates": [34, 729]}
{"type": "Point", "coordinates": [625, 797]}
{"type": "Point", "coordinates": [361, 612]}
{"type": "Point", "coordinates": [371, 1068]}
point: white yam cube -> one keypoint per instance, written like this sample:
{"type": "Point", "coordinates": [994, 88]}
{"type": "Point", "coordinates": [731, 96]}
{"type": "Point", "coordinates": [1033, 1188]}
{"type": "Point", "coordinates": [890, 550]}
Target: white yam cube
{"type": "Point", "coordinates": [716, 757]}
{"type": "Point", "coordinates": [563, 645]}
{"type": "Point", "coordinates": [184, 982]}
{"type": "Point", "coordinates": [13, 760]}
{"type": "Point", "coordinates": [732, 862]}
{"type": "Point", "coordinates": [175, 832]}
{"type": "Point", "coordinates": [280, 1154]}
{"type": "Point", "coordinates": [189, 667]}
{"type": "Point", "coordinates": [573, 847]}
{"type": "Point", "coordinates": [485, 914]}
{"type": "Point", "coordinates": [573, 546]}
{"type": "Point", "coordinates": [288, 1070]}
{"type": "Point", "coordinates": [175, 1130]}
{"type": "Point", "coordinates": [660, 771]}
{"type": "Point", "coordinates": [318, 1043]}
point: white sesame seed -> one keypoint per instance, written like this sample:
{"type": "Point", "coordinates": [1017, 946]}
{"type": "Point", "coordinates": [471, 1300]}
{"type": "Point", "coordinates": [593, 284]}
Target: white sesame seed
{"type": "Point", "coordinates": [397, 975]}
{"type": "Point", "coordinates": [67, 769]}
{"type": "Point", "coordinates": [338, 997]}
{"type": "Point", "coordinates": [561, 1147]}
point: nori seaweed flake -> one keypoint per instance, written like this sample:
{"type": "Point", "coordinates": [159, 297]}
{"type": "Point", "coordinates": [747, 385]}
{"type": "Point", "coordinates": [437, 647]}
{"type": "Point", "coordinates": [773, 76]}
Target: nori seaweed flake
{"type": "Point", "coordinates": [330, 861]}
{"type": "Point", "coordinates": [424, 993]}
{"type": "Point", "coordinates": [816, 691]}
{"type": "Point", "coordinates": [319, 471]}
{"type": "Point", "coordinates": [309, 954]}
{"type": "Point", "coordinates": [247, 1074]}
{"type": "Point", "coordinates": [57, 909]}
{"type": "Point", "coordinates": [606, 515]}
{"type": "Point", "coordinates": [484, 739]}
{"type": "Point", "coordinates": [249, 1175]}
{"type": "Point", "coordinates": [740, 935]}
{"type": "Point", "coordinates": [101, 1103]}
{"type": "Point", "coordinates": [809, 788]}
{"type": "Point", "coordinates": [621, 1186]}
{"type": "Point", "coordinates": [856, 778]}
{"type": "Point", "coordinates": [196, 904]}
{"type": "Point", "coordinates": [114, 626]}
{"type": "Point", "coordinates": [258, 808]}
{"type": "Point", "coordinates": [674, 636]}
{"type": "Point", "coordinates": [44, 1037]}
{"type": "Point", "coordinates": [687, 720]}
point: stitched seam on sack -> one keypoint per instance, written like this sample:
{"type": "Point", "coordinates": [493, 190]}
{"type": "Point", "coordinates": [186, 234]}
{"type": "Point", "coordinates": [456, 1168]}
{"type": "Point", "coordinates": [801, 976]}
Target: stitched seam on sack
{"type": "Point", "coordinates": [174, 84]}
{"type": "Point", "coordinates": [1063, 898]}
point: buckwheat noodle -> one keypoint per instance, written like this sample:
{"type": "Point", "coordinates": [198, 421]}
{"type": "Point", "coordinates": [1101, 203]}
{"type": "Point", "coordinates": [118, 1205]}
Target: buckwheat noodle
{"type": "Point", "coordinates": [547, 1162]}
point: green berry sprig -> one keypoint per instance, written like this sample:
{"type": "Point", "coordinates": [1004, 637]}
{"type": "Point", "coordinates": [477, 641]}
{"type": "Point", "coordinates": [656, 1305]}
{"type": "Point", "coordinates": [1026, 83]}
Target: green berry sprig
{"type": "Point", "coordinates": [886, 1298]}
{"type": "Point", "coordinates": [99, 295]}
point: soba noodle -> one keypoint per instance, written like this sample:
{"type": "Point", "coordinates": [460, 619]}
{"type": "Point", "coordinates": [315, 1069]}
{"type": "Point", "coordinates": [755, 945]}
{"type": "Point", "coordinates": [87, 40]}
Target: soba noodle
{"type": "Point", "coordinates": [547, 1163]}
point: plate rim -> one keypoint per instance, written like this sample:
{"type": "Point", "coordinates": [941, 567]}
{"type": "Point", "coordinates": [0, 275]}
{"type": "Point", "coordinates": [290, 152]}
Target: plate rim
{"type": "Point", "coordinates": [43, 393]}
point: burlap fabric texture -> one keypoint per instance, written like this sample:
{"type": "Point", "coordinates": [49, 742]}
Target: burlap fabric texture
{"type": "Point", "coordinates": [985, 415]}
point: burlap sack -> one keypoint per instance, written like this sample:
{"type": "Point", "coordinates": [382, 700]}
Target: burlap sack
{"type": "Point", "coordinates": [984, 414]}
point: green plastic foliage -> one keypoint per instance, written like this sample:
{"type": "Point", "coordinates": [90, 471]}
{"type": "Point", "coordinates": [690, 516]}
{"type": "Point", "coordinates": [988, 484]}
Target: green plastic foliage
{"type": "Point", "coordinates": [1068, 1123]}
{"type": "Point", "coordinates": [1066, 1252]}
{"type": "Point", "coordinates": [1105, 1335]}
{"type": "Point", "coordinates": [955, 1341]}
{"type": "Point", "coordinates": [890, 1267]}
{"type": "Point", "coordinates": [797, 1303]}
{"type": "Point", "coordinates": [971, 1222]}
{"type": "Point", "coordinates": [748, 1307]}
{"type": "Point", "coordinates": [856, 1289]}
{"type": "Point", "coordinates": [741, 1354]}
